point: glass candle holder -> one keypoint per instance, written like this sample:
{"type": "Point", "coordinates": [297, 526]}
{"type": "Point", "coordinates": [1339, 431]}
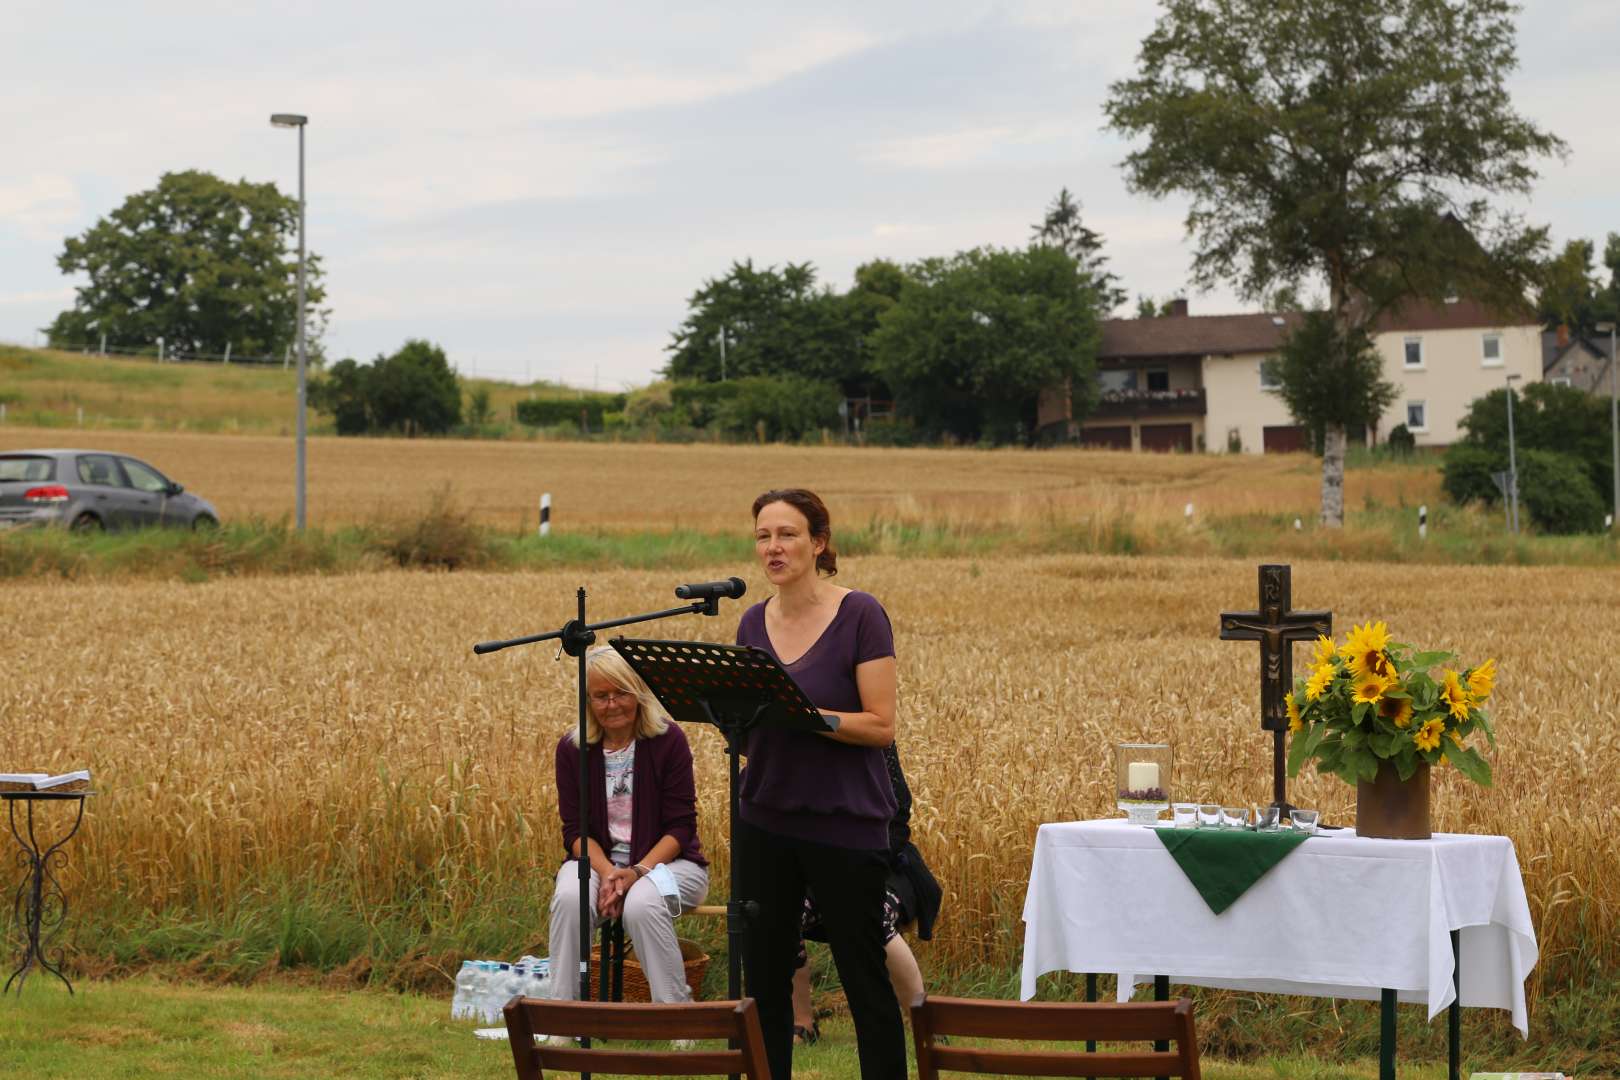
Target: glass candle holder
{"type": "Point", "coordinates": [1304, 821]}
{"type": "Point", "coordinates": [1185, 815]}
{"type": "Point", "coordinates": [1142, 771]}
{"type": "Point", "coordinates": [1234, 817]}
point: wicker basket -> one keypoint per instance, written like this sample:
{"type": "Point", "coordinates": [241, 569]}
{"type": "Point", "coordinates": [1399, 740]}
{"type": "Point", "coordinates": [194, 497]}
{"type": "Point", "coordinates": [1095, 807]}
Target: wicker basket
{"type": "Point", "coordinates": [695, 960]}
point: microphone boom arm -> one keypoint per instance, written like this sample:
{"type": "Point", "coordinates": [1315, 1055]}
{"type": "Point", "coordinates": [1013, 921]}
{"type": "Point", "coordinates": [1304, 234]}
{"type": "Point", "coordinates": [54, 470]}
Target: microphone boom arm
{"type": "Point", "coordinates": [577, 637]}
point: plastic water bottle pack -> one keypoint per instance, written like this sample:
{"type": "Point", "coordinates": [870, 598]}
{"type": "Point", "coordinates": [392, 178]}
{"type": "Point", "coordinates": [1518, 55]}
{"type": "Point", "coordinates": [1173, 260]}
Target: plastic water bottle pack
{"type": "Point", "coordinates": [483, 987]}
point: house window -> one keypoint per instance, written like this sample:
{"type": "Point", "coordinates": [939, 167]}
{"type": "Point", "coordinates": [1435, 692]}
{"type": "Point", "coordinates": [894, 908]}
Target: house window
{"type": "Point", "coordinates": [1559, 380]}
{"type": "Point", "coordinates": [1116, 381]}
{"type": "Point", "coordinates": [1158, 380]}
{"type": "Point", "coordinates": [1491, 350]}
{"type": "Point", "coordinates": [1269, 377]}
{"type": "Point", "coordinates": [1417, 416]}
{"type": "Point", "coordinates": [1414, 352]}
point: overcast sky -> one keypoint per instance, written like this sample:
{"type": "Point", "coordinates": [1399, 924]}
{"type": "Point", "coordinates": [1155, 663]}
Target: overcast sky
{"type": "Point", "coordinates": [540, 187]}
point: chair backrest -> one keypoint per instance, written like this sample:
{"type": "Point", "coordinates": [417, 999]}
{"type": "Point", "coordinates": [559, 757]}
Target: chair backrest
{"type": "Point", "coordinates": [732, 1020]}
{"type": "Point", "coordinates": [1144, 1022]}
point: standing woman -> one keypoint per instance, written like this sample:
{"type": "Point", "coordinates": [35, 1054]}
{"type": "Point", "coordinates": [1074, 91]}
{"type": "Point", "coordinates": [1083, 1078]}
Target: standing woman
{"type": "Point", "coordinates": [815, 808]}
{"type": "Point", "coordinates": [643, 816]}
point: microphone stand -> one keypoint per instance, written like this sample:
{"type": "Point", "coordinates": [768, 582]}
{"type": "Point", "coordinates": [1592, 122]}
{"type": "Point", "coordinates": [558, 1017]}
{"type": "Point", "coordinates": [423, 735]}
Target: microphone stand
{"type": "Point", "coordinates": [576, 636]}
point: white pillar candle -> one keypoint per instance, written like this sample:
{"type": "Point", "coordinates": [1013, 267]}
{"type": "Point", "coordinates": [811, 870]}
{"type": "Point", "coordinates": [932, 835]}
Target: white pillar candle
{"type": "Point", "coordinates": [1142, 775]}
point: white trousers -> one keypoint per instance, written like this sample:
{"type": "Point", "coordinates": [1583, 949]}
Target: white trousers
{"type": "Point", "coordinates": [648, 922]}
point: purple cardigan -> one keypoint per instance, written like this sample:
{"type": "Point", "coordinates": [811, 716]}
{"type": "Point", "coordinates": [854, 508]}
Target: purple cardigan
{"type": "Point", "coordinates": [664, 803]}
{"type": "Point", "coordinates": [810, 787]}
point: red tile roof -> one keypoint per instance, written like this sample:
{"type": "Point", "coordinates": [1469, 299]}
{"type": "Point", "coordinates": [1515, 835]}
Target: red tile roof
{"type": "Point", "coordinates": [1204, 335]}
{"type": "Point", "coordinates": [1192, 335]}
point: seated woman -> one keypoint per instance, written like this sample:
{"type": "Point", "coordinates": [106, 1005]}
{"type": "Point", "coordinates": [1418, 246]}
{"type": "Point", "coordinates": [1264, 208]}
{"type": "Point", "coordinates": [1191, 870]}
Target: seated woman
{"type": "Point", "coordinates": [643, 814]}
{"type": "Point", "coordinates": [911, 896]}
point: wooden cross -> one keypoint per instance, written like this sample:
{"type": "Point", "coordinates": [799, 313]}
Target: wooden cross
{"type": "Point", "coordinates": [1276, 628]}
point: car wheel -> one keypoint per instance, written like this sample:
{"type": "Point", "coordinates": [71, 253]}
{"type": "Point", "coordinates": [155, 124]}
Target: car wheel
{"type": "Point", "coordinates": [87, 522]}
{"type": "Point", "coordinates": [204, 523]}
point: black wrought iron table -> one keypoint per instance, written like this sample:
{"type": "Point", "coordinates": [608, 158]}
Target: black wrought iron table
{"type": "Point", "coordinates": [40, 905]}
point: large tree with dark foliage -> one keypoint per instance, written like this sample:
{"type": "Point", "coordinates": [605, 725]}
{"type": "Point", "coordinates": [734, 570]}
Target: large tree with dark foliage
{"type": "Point", "coordinates": [1352, 142]}
{"type": "Point", "coordinates": [197, 261]}
{"type": "Point", "coordinates": [775, 322]}
{"type": "Point", "coordinates": [974, 339]}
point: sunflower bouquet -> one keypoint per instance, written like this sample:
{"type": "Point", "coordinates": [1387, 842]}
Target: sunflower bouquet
{"type": "Point", "coordinates": [1371, 699]}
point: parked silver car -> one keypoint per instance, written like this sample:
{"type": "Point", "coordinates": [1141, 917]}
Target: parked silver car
{"type": "Point", "coordinates": [93, 489]}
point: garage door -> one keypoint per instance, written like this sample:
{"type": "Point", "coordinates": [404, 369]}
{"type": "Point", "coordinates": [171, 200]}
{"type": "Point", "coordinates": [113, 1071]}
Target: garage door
{"type": "Point", "coordinates": [1166, 437]}
{"type": "Point", "coordinates": [1107, 438]}
{"type": "Point", "coordinates": [1285, 439]}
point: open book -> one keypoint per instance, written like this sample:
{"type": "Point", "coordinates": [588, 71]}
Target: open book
{"type": "Point", "coordinates": [69, 781]}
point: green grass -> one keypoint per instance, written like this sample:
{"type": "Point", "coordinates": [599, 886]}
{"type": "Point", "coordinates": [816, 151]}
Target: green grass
{"type": "Point", "coordinates": [53, 389]}
{"type": "Point", "coordinates": [444, 538]}
{"type": "Point", "coordinates": [154, 1028]}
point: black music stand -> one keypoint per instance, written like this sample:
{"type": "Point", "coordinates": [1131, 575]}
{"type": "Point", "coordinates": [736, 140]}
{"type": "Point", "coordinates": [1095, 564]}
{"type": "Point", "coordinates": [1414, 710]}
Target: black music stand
{"type": "Point", "coordinates": [736, 688]}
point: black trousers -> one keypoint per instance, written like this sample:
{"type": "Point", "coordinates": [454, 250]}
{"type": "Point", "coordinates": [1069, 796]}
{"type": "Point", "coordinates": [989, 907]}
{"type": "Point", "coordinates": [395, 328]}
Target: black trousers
{"type": "Point", "coordinates": [849, 885]}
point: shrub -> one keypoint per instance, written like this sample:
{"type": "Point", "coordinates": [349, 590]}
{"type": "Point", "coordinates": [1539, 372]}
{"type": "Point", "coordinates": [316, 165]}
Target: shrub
{"type": "Point", "coordinates": [780, 407]}
{"type": "Point", "coordinates": [1401, 441]}
{"type": "Point", "coordinates": [888, 431]}
{"type": "Point", "coordinates": [1558, 493]}
{"type": "Point", "coordinates": [584, 412]}
{"type": "Point", "coordinates": [1467, 473]}
{"type": "Point", "coordinates": [444, 538]}
{"type": "Point", "coordinates": [697, 403]}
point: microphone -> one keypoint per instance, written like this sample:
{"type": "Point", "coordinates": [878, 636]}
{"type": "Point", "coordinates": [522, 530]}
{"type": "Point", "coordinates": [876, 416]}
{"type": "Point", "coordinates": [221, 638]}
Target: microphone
{"type": "Point", "coordinates": [731, 588]}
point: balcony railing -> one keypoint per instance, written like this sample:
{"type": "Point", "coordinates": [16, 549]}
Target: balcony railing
{"type": "Point", "coordinates": [1137, 402]}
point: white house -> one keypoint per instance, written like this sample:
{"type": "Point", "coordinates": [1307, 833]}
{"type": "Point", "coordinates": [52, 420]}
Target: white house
{"type": "Point", "coordinates": [1186, 382]}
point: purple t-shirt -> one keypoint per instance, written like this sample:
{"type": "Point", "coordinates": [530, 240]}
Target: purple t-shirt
{"type": "Point", "coordinates": [808, 786]}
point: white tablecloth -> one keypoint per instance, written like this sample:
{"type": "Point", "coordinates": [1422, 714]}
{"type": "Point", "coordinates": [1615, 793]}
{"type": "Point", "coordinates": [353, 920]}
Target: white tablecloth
{"type": "Point", "coordinates": [1342, 916]}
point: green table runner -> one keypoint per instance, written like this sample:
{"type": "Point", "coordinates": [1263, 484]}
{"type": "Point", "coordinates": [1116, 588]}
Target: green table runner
{"type": "Point", "coordinates": [1223, 863]}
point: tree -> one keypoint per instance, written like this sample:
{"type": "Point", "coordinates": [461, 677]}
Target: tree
{"type": "Point", "coordinates": [775, 322]}
{"type": "Point", "coordinates": [413, 392]}
{"type": "Point", "coordinates": [1354, 142]}
{"type": "Point", "coordinates": [974, 340]}
{"type": "Point", "coordinates": [1062, 228]}
{"type": "Point", "coordinates": [196, 261]}
{"type": "Point", "coordinates": [1558, 419]}
{"type": "Point", "coordinates": [1324, 379]}
{"type": "Point", "coordinates": [1573, 295]}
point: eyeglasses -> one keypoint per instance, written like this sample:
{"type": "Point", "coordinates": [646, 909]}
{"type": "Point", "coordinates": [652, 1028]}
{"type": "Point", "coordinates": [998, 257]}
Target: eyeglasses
{"type": "Point", "coordinates": [608, 697]}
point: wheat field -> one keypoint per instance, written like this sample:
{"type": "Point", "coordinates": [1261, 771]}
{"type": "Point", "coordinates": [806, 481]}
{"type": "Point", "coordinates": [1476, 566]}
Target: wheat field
{"type": "Point", "coordinates": [634, 486]}
{"type": "Point", "coordinates": [339, 734]}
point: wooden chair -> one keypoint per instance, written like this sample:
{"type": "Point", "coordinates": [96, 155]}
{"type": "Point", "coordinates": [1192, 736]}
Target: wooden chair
{"type": "Point", "coordinates": [1155, 1021]}
{"type": "Point", "coordinates": [733, 1020]}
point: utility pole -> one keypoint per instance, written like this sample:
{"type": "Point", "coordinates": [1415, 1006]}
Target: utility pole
{"type": "Point", "coordinates": [1614, 419]}
{"type": "Point", "coordinates": [294, 120]}
{"type": "Point", "coordinates": [1513, 464]}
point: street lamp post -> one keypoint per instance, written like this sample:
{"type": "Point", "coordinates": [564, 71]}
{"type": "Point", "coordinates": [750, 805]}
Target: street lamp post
{"type": "Point", "coordinates": [294, 120]}
{"type": "Point", "coordinates": [1513, 462]}
{"type": "Point", "coordinates": [1614, 419]}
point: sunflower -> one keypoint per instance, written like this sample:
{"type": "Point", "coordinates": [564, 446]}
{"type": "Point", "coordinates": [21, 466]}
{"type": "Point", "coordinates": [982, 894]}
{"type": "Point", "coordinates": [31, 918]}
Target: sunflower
{"type": "Point", "coordinates": [1455, 695]}
{"type": "Point", "coordinates": [1482, 680]}
{"type": "Point", "coordinates": [1364, 649]}
{"type": "Point", "coordinates": [1325, 650]}
{"type": "Point", "coordinates": [1369, 690]}
{"type": "Point", "coordinates": [1318, 682]}
{"type": "Point", "coordinates": [1397, 711]}
{"type": "Point", "coordinates": [1427, 737]}
{"type": "Point", "coordinates": [1295, 721]}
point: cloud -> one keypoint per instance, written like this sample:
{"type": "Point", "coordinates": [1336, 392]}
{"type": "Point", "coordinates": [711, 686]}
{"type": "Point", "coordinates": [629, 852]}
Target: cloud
{"type": "Point", "coordinates": [63, 295]}
{"type": "Point", "coordinates": [40, 206]}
